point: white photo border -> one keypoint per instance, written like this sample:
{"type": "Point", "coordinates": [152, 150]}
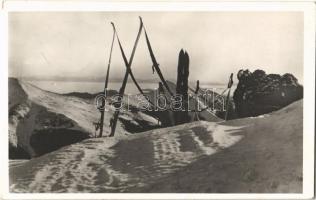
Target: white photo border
{"type": "Point", "coordinates": [308, 8]}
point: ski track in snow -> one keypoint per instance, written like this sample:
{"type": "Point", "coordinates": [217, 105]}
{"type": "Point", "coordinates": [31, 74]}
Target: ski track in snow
{"type": "Point", "coordinates": [169, 155]}
{"type": "Point", "coordinates": [112, 165]}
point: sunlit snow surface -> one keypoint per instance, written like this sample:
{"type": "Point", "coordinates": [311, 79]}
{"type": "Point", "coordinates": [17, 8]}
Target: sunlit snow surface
{"type": "Point", "coordinates": [262, 154]}
{"type": "Point", "coordinates": [108, 165]}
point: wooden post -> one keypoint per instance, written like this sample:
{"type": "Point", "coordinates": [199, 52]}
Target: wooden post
{"type": "Point", "coordinates": [196, 113]}
{"type": "Point", "coordinates": [182, 87]}
{"type": "Point", "coordinates": [230, 83]}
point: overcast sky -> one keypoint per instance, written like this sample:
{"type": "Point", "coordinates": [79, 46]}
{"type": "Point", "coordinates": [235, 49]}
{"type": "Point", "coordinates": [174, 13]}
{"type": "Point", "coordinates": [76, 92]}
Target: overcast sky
{"type": "Point", "coordinates": [218, 43]}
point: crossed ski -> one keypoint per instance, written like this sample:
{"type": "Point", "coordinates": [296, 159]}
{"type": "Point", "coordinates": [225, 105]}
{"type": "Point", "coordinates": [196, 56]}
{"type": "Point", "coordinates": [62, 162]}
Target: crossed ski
{"type": "Point", "coordinates": [113, 120]}
{"type": "Point", "coordinates": [128, 64]}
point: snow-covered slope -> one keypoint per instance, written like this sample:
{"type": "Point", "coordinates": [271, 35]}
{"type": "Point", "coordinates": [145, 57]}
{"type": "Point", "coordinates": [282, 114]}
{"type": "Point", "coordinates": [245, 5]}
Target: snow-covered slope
{"type": "Point", "coordinates": [42, 121]}
{"type": "Point", "coordinates": [262, 154]}
{"type": "Point", "coordinates": [34, 122]}
{"type": "Point", "coordinates": [268, 159]}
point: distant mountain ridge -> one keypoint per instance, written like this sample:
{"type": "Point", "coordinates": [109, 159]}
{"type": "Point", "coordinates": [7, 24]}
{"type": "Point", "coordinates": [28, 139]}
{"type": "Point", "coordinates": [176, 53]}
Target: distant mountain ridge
{"type": "Point", "coordinates": [101, 79]}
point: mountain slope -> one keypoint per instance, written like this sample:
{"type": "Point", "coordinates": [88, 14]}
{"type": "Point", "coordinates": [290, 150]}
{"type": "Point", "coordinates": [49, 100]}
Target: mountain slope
{"type": "Point", "coordinates": [262, 154]}
{"type": "Point", "coordinates": [268, 159]}
{"type": "Point", "coordinates": [42, 121]}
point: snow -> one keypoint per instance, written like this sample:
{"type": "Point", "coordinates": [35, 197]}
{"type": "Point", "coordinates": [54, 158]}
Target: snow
{"type": "Point", "coordinates": [262, 154]}
{"type": "Point", "coordinates": [125, 163]}
{"type": "Point", "coordinates": [40, 111]}
{"type": "Point", "coordinates": [80, 111]}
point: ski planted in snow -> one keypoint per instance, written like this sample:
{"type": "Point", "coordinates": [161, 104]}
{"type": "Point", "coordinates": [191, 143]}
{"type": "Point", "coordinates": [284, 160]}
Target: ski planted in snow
{"type": "Point", "coordinates": [155, 63]}
{"type": "Point", "coordinates": [102, 107]}
{"type": "Point", "coordinates": [130, 70]}
{"type": "Point", "coordinates": [113, 121]}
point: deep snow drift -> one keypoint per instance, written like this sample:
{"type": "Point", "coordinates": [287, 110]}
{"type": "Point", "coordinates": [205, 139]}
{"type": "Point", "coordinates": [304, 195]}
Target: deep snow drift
{"type": "Point", "coordinates": [260, 154]}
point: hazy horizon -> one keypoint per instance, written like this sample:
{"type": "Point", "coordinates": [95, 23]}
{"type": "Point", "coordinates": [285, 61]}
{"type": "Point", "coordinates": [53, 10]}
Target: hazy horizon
{"type": "Point", "coordinates": [102, 79]}
{"type": "Point", "coordinates": [75, 44]}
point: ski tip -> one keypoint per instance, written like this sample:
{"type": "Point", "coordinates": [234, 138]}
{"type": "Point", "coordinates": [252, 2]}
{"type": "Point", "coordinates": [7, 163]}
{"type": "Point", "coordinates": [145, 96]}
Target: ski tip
{"type": "Point", "coordinates": [113, 25]}
{"type": "Point", "coordinates": [181, 52]}
{"type": "Point", "coordinates": [140, 18]}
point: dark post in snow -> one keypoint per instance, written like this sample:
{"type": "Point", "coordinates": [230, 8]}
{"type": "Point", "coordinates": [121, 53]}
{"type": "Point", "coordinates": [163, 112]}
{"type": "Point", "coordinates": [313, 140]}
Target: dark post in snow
{"type": "Point", "coordinates": [196, 92]}
{"type": "Point", "coordinates": [230, 83]}
{"type": "Point", "coordinates": [182, 87]}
